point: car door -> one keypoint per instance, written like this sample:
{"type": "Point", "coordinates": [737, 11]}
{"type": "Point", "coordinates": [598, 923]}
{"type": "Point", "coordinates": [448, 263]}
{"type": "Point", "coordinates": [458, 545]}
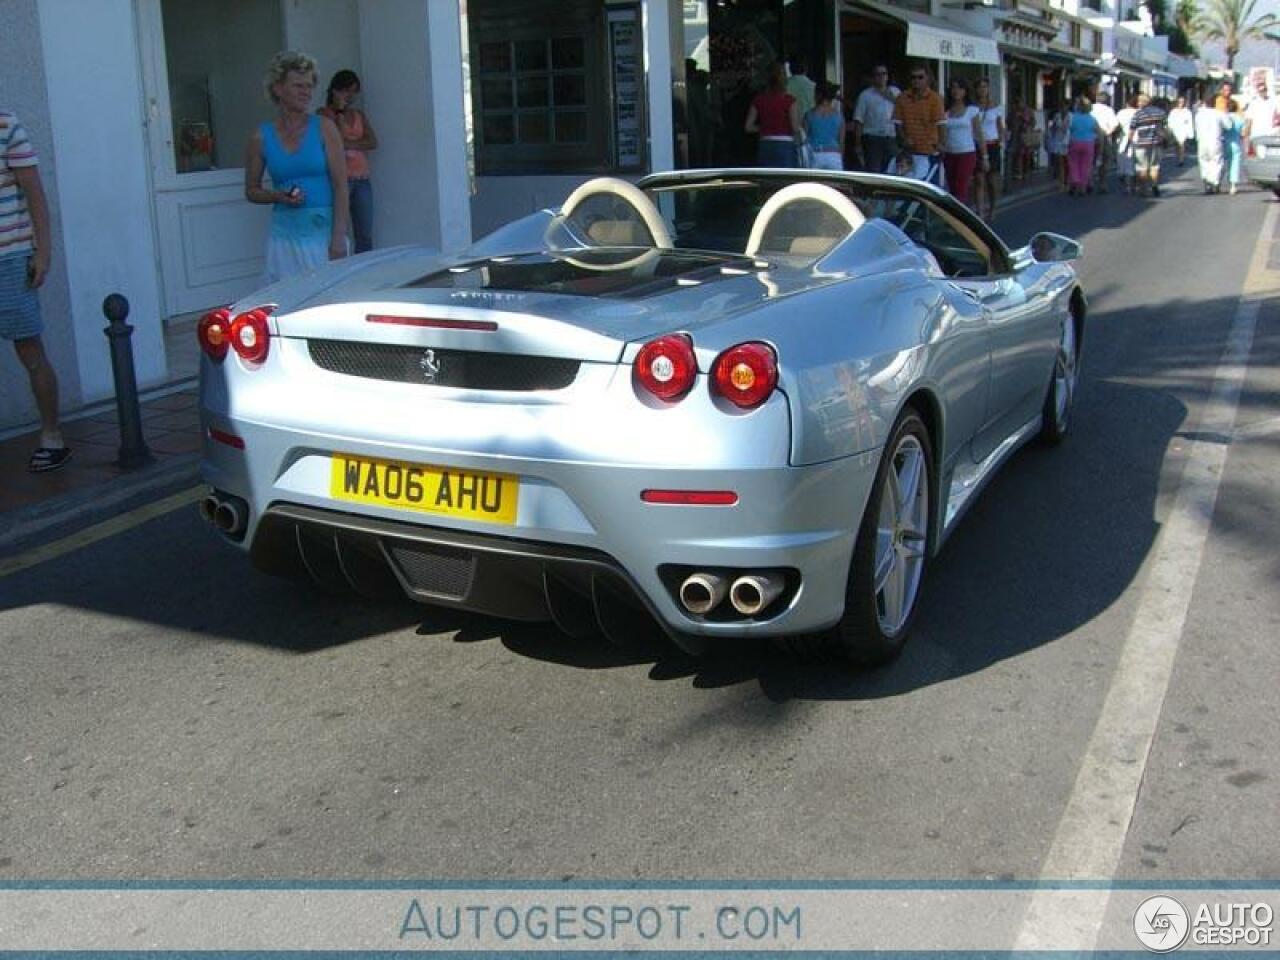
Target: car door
{"type": "Point", "coordinates": [1019, 325]}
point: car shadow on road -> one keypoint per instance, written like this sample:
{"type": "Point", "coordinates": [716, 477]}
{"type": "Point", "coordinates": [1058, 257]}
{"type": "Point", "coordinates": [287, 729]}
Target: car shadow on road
{"type": "Point", "coordinates": [1052, 543]}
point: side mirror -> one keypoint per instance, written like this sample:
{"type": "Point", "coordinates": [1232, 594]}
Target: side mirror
{"type": "Point", "coordinates": [1054, 248]}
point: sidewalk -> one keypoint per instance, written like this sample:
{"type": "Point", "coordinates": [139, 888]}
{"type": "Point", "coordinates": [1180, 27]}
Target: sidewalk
{"type": "Point", "coordinates": [91, 482]}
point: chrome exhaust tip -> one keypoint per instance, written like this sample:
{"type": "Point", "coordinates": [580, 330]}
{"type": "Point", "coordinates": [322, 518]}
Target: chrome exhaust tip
{"type": "Point", "coordinates": [752, 592]}
{"type": "Point", "coordinates": [209, 509]}
{"type": "Point", "coordinates": [702, 592]}
{"type": "Point", "coordinates": [229, 518]}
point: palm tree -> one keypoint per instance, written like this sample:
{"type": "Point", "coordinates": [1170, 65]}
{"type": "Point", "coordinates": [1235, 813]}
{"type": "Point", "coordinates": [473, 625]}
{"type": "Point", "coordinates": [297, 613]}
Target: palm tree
{"type": "Point", "coordinates": [1233, 22]}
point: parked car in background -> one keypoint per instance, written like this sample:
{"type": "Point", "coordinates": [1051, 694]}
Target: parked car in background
{"type": "Point", "coordinates": [734, 403]}
{"type": "Point", "coordinates": [1262, 162]}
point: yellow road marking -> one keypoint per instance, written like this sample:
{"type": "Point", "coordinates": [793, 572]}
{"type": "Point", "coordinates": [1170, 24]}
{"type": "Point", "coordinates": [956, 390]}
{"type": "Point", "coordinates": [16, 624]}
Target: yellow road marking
{"type": "Point", "coordinates": [100, 531]}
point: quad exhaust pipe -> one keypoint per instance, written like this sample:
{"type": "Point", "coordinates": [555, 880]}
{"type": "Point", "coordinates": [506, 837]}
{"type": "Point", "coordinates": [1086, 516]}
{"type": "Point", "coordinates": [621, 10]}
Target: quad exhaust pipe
{"type": "Point", "coordinates": [754, 592]}
{"type": "Point", "coordinates": [228, 514]}
{"type": "Point", "coordinates": [703, 591]}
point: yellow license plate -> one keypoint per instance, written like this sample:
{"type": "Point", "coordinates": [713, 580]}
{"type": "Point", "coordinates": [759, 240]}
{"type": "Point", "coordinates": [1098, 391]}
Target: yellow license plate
{"type": "Point", "coordinates": [469, 494]}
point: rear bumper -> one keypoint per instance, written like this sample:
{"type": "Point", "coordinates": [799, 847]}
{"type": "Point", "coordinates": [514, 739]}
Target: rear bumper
{"type": "Point", "coordinates": [582, 456]}
{"type": "Point", "coordinates": [583, 526]}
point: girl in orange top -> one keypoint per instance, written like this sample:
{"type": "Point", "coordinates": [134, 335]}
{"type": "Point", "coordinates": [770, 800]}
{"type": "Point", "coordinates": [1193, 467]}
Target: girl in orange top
{"type": "Point", "coordinates": [358, 139]}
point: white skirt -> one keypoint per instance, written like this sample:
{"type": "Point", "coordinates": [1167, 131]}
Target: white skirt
{"type": "Point", "coordinates": [297, 241]}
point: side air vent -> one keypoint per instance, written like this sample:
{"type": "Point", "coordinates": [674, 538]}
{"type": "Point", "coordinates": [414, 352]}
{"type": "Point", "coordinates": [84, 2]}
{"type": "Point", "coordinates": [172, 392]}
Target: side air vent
{"type": "Point", "coordinates": [468, 369]}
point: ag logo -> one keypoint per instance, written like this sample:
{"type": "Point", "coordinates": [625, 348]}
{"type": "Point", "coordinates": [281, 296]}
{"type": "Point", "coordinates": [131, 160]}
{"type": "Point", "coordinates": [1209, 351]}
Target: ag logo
{"type": "Point", "coordinates": [429, 365]}
{"type": "Point", "coordinates": [1161, 924]}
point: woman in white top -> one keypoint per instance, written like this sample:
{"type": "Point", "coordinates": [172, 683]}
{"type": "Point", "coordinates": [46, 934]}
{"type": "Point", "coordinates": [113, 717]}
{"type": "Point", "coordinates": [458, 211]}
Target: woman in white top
{"type": "Point", "coordinates": [987, 185]}
{"type": "Point", "coordinates": [1125, 170]}
{"type": "Point", "coordinates": [1211, 124]}
{"type": "Point", "coordinates": [962, 141]}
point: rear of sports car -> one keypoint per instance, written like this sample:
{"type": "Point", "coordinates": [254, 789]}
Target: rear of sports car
{"type": "Point", "coordinates": [529, 439]}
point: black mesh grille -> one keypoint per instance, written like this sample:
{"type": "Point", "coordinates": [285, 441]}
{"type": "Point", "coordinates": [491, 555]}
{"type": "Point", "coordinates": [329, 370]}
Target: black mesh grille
{"type": "Point", "coordinates": [441, 571]}
{"type": "Point", "coordinates": [443, 368]}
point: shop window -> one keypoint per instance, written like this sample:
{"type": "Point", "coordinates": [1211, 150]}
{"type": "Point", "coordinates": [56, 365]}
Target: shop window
{"type": "Point", "coordinates": [540, 89]}
{"type": "Point", "coordinates": [214, 57]}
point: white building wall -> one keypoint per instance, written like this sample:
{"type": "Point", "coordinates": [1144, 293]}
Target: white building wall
{"type": "Point", "coordinates": [412, 56]}
{"type": "Point", "coordinates": [95, 113]}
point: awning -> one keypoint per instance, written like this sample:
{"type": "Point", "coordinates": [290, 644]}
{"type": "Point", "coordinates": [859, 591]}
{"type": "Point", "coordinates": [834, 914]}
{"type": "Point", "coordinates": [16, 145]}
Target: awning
{"type": "Point", "coordinates": [932, 38]}
{"type": "Point", "coordinates": [1043, 58]}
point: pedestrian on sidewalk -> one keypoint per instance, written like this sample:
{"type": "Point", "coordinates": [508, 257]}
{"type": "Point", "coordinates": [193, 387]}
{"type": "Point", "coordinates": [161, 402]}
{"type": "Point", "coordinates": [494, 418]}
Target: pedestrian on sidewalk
{"type": "Point", "coordinates": [874, 140]}
{"type": "Point", "coordinates": [987, 185]}
{"type": "Point", "coordinates": [358, 139]}
{"type": "Point", "coordinates": [824, 129]}
{"type": "Point", "coordinates": [1082, 147]}
{"type": "Point", "coordinates": [1124, 146]}
{"type": "Point", "coordinates": [918, 116]}
{"type": "Point", "coordinates": [1211, 126]}
{"type": "Point", "coordinates": [1057, 142]}
{"type": "Point", "coordinates": [1147, 128]}
{"type": "Point", "coordinates": [25, 247]}
{"type": "Point", "coordinates": [1022, 124]}
{"type": "Point", "coordinates": [1182, 126]}
{"type": "Point", "coordinates": [1233, 143]}
{"type": "Point", "coordinates": [775, 117]}
{"type": "Point", "coordinates": [303, 154]}
{"type": "Point", "coordinates": [964, 150]}
{"type": "Point", "coordinates": [1105, 156]}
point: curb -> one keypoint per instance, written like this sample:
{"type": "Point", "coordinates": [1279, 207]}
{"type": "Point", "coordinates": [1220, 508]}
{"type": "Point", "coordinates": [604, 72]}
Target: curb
{"type": "Point", "coordinates": [81, 507]}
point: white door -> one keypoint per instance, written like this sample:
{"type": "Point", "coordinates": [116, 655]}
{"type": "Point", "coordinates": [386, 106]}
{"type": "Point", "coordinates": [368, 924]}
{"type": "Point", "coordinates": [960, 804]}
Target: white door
{"type": "Point", "coordinates": [203, 62]}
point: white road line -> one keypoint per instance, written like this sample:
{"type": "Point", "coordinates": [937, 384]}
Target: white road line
{"type": "Point", "coordinates": [99, 531]}
{"type": "Point", "coordinates": [1091, 835]}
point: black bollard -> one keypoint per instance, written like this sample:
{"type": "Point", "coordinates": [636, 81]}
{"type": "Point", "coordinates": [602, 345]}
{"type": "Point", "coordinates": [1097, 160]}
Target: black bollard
{"type": "Point", "coordinates": [133, 448]}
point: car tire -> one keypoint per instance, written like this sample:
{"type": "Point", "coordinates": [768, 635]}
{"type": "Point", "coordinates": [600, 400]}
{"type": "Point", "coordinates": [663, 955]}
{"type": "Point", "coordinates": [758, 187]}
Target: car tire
{"type": "Point", "coordinates": [1059, 400]}
{"type": "Point", "coordinates": [891, 553]}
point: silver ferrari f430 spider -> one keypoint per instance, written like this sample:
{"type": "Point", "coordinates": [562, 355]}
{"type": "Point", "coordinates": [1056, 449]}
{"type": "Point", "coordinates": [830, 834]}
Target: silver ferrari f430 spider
{"type": "Point", "coordinates": [734, 403]}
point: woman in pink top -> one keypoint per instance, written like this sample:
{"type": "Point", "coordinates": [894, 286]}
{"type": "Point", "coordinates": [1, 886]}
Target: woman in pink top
{"type": "Point", "coordinates": [775, 116]}
{"type": "Point", "coordinates": [358, 139]}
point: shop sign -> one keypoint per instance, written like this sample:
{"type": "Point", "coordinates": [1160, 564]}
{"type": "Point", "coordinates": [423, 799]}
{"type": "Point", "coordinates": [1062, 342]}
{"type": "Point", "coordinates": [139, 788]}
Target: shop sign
{"type": "Point", "coordinates": [931, 43]}
{"type": "Point", "coordinates": [624, 57]}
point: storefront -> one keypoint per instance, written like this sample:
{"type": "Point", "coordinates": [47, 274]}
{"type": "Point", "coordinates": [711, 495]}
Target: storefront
{"type": "Point", "coordinates": [539, 96]}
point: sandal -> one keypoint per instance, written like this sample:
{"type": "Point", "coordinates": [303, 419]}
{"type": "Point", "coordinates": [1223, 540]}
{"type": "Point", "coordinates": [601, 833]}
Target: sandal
{"type": "Point", "coordinates": [48, 458]}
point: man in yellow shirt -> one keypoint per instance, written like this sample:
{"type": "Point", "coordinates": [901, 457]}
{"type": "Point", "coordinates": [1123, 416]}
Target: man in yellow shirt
{"type": "Point", "coordinates": [917, 115]}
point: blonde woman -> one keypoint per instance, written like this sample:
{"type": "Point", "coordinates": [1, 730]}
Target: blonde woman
{"type": "Point", "coordinates": [987, 185]}
{"type": "Point", "coordinates": [302, 153]}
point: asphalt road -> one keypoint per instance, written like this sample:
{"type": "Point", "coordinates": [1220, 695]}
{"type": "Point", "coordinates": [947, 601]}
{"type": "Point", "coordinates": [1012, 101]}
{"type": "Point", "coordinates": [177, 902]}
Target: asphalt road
{"type": "Point", "coordinates": [168, 713]}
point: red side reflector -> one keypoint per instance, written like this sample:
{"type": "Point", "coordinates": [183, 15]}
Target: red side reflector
{"type": "Point", "coordinates": [230, 439]}
{"type": "Point", "coordinates": [692, 498]}
{"type": "Point", "coordinates": [437, 323]}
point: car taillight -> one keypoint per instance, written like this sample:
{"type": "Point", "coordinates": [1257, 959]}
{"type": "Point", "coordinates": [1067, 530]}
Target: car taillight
{"type": "Point", "coordinates": [666, 367]}
{"type": "Point", "coordinates": [250, 336]}
{"type": "Point", "coordinates": [745, 375]}
{"type": "Point", "coordinates": [214, 333]}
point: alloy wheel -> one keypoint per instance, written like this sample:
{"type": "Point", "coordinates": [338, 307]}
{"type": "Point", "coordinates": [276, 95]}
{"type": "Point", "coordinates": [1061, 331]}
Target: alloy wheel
{"type": "Point", "coordinates": [901, 535]}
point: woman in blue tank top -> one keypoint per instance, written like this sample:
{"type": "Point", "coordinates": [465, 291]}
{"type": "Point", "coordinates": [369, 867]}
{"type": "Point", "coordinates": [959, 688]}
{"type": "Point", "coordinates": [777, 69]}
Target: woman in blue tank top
{"type": "Point", "coordinates": [824, 129]}
{"type": "Point", "coordinates": [302, 153]}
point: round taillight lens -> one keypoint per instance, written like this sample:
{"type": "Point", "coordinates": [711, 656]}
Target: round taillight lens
{"type": "Point", "coordinates": [250, 336]}
{"type": "Point", "coordinates": [666, 367]}
{"type": "Point", "coordinates": [214, 333]}
{"type": "Point", "coordinates": [745, 375]}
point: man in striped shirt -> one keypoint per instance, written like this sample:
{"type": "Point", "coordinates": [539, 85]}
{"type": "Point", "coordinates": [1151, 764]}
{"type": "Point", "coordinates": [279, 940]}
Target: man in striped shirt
{"type": "Point", "coordinates": [24, 264]}
{"type": "Point", "coordinates": [1146, 132]}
